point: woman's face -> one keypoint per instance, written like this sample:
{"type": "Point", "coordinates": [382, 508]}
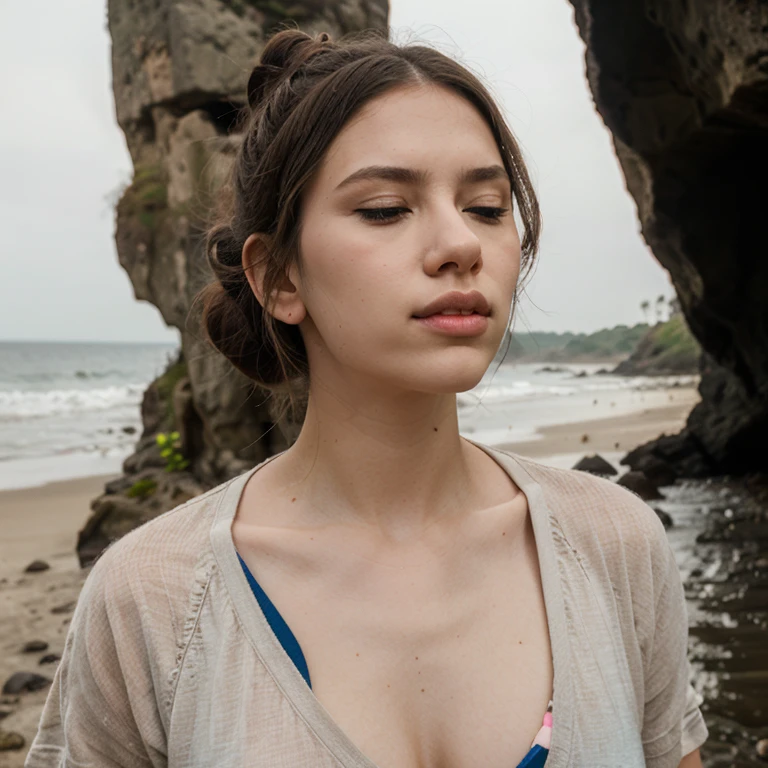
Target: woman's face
{"type": "Point", "coordinates": [411, 202]}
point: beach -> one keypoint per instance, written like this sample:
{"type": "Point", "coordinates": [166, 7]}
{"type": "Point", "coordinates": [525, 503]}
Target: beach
{"type": "Point", "coordinates": [42, 522]}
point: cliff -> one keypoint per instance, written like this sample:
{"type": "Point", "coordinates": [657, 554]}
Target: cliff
{"type": "Point", "coordinates": [179, 72]}
{"type": "Point", "coordinates": [666, 349]}
{"type": "Point", "coordinates": [683, 87]}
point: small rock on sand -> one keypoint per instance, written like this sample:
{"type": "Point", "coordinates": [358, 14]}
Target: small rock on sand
{"type": "Point", "coordinates": [34, 646]}
{"type": "Point", "coordinates": [596, 465]}
{"type": "Point", "coordinates": [10, 740]}
{"type": "Point", "coordinates": [64, 607]}
{"type": "Point", "coordinates": [19, 682]}
{"type": "Point", "coordinates": [36, 566]}
{"type": "Point", "coordinates": [50, 658]}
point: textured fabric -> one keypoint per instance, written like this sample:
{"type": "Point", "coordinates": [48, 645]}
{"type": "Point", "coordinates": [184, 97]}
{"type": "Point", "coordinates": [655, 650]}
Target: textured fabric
{"type": "Point", "coordinates": [277, 624]}
{"type": "Point", "coordinates": [169, 661]}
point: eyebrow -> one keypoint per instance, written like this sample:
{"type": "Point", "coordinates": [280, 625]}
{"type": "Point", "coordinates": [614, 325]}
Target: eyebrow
{"type": "Point", "coordinates": [413, 176]}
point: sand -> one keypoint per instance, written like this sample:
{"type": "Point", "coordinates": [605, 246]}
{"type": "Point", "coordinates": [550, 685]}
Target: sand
{"type": "Point", "coordinates": [564, 444]}
{"type": "Point", "coordinates": [42, 523]}
{"type": "Point", "coordinates": [37, 523]}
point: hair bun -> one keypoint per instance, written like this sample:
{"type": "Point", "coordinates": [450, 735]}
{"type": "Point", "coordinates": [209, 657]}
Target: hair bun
{"type": "Point", "coordinates": [282, 56]}
{"type": "Point", "coordinates": [259, 83]}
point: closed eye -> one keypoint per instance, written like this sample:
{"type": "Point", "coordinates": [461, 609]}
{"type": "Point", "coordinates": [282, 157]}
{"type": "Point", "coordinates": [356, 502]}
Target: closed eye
{"type": "Point", "coordinates": [490, 212]}
{"type": "Point", "coordinates": [382, 214]}
{"type": "Point", "coordinates": [385, 215]}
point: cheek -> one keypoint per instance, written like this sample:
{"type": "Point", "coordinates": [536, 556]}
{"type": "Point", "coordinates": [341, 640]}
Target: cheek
{"type": "Point", "coordinates": [504, 266]}
{"type": "Point", "coordinates": [350, 281]}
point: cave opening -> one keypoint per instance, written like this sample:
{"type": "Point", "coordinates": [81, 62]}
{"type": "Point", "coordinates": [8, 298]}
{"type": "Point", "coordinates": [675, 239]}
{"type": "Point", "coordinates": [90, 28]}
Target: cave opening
{"type": "Point", "coordinates": [224, 115]}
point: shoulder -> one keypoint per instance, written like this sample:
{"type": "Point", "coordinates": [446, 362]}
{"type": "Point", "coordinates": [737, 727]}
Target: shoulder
{"type": "Point", "coordinates": [582, 502]}
{"type": "Point", "coordinates": [174, 542]}
{"type": "Point", "coordinates": [600, 520]}
{"type": "Point", "coordinates": [142, 597]}
{"type": "Point", "coordinates": [154, 579]}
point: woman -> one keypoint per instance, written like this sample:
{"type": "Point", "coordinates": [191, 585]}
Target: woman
{"type": "Point", "coordinates": [384, 592]}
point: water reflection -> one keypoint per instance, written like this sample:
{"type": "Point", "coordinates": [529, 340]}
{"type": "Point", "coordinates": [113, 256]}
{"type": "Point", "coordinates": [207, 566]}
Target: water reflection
{"type": "Point", "coordinates": [720, 538]}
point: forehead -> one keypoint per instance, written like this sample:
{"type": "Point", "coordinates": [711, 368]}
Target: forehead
{"type": "Point", "coordinates": [426, 126]}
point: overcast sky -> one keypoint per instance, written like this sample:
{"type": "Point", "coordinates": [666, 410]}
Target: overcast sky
{"type": "Point", "coordinates": [62, 155]}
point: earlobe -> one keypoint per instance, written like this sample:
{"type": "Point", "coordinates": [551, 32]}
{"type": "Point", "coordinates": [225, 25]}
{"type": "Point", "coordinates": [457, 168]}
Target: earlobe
{"type": "Point", "coordinates": [286, 304]}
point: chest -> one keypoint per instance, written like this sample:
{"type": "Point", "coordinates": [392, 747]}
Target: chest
{"type": "Point", "coordinates": [444, 662]}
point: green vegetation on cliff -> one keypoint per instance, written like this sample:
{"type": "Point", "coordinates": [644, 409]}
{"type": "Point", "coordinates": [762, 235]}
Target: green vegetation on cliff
{"type": "Point", "coordinates": [146, 196]}
{"type": "Point", "coordinates": [166, 383]}
{"type": "Point", "coordinates": [605, 344]}
{"type": "Point", "coordinates": [668, 348]}
{"type": "Point", "coordinates": [665, 348]}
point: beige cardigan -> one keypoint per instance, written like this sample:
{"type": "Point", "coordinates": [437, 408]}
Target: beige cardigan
{"type": "Point", "coordinates": [169, 660]}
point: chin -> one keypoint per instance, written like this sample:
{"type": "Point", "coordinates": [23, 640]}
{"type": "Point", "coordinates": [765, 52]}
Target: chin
{"type": "Point", "coordinates": [450, 383]}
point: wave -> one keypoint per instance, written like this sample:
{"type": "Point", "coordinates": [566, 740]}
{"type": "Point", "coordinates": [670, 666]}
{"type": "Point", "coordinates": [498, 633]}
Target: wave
{"type": "Point", "coordinates": [18, 404]}
{"type": "Point", "coordinates": [517, 390]}
{"type": "Point", "coordinates": [47, 377]}
{"type": "Point", "coordinates": [527, 390]}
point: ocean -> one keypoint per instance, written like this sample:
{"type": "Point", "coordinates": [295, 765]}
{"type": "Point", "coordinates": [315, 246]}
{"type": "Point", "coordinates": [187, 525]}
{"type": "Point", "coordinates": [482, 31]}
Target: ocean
{"type": "Point", "coordinates": [70, 409]}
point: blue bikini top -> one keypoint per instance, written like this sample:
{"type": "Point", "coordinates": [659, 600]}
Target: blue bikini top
{"type": "Point", "coordinates": [535, 758]}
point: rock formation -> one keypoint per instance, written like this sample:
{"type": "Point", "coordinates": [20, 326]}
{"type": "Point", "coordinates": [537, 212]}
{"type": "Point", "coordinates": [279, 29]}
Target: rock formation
{"type": "Point", "coordinates": [681, 84]}
{"type": "Point", "coordinates": [179, 70]}
{"type": "Point", "coordinates": [683, 87]}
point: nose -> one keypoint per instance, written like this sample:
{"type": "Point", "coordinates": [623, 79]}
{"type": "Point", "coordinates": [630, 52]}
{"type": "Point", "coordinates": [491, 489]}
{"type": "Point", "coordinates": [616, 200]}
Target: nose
{"type": "Point", "coordinates": [452, 242]}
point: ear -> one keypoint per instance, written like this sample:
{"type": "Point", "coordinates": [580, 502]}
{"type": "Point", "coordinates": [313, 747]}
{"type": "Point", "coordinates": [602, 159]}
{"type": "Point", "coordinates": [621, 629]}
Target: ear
{"type": "Point", "coordinates": [287, 304]}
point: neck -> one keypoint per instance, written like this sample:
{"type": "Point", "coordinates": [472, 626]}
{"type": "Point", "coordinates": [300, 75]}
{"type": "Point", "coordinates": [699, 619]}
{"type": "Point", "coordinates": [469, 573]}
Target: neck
{"type": "Point", "coordinates": [393, 462]}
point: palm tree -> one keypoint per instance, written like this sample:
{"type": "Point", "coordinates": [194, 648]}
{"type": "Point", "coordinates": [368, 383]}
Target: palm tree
{"type": "Point", "coordinates": [646, 306]}
{"type": "Point", "coordinates": [661, 302]}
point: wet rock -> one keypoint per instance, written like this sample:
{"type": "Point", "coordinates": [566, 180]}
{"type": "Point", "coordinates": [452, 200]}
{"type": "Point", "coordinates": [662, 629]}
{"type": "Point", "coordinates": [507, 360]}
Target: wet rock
{"type": "Point", "coordinates": [50, 658]}
{"type": "Point", "coordinates": [35, 646]}
{"type": "Point", "coordinates": [10, 740]}
{"type": "Point", "coordinates": [670, 457]}
{"type": "Point", "coordinates": [762, 749]}
{"type": "Point", "coordinates": [665, 518]}
{"type": "Point", "coordinates": [638, 483]}
{"type": "Point", "coordinates": [19, 682]}
{"type": "Point", "coordinates": [658, 471]}
{"type": "Point", "coordinates": [36, 566]}
{"type": "Point", "coordinates": [596, 465]}
{"type": "Point", "coordinates": [129, 430]}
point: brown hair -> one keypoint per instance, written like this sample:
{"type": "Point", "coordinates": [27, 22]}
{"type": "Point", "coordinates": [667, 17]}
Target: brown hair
{"type": "Point", "coordinates": [300, 96]}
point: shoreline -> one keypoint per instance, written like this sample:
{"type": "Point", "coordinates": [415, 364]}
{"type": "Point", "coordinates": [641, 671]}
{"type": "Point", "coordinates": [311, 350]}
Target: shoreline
{"type": "Point", "coordinates": [608, 436]}
{"type": "Point", "coordinates": [42, 522]}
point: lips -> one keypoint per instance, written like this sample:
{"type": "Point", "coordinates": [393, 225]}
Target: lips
{"type": "Point", "coordinates": [455, 300]}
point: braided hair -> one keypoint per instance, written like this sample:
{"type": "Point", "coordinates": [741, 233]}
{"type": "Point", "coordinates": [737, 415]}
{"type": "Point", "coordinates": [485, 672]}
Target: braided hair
{"type": "Point", "coordinates": [302, 92]}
